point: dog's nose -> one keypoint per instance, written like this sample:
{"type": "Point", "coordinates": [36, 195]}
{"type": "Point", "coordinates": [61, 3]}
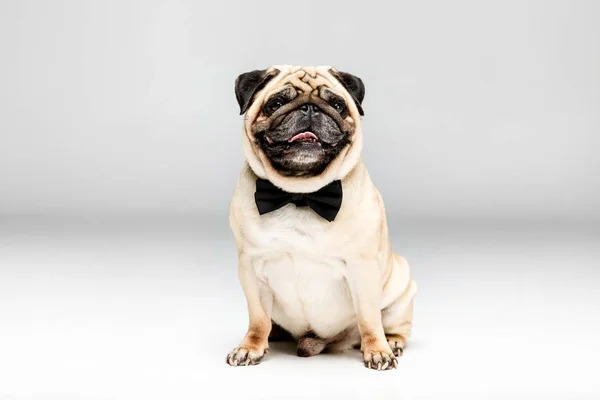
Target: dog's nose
{"type": "Point", "coordinates": [309, 109]}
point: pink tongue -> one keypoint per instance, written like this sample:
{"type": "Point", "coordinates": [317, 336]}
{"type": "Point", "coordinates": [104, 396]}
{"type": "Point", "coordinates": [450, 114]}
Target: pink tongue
{"type": "Point", "coordinates": [303, 135]}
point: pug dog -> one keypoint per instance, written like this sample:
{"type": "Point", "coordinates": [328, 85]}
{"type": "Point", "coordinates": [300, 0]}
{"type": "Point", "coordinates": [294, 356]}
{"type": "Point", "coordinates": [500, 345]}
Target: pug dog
{"type": "Point", "coordinates": [314, 255]}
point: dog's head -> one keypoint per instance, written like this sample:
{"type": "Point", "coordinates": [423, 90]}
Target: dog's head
{"type": "Point", "coordinates": [302, 124]}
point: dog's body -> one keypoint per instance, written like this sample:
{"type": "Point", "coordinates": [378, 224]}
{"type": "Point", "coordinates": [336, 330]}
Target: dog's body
{"type": "Point", "coordinates": [328, 284]}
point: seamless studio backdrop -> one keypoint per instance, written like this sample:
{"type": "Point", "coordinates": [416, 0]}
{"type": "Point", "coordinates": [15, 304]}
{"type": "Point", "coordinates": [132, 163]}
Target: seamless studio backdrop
{"type": "Point", "coordinates": [120, 145]}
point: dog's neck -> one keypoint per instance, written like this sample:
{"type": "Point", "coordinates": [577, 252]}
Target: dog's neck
{"type": "Point", "coordinates": [303, 184]}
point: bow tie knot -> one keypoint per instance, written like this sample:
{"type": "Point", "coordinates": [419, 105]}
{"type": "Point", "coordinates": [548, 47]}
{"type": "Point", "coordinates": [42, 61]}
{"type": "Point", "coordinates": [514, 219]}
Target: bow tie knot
{"type": "Point", "coordinates": [326, 201]}
{"type": "Point", "coordinates": [297, 197]}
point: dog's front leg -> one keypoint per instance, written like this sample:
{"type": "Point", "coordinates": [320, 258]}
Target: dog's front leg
{"type": "Point", "coordinates": [260, 301]}
{"type": "Point", "coordinates": [364, 280]}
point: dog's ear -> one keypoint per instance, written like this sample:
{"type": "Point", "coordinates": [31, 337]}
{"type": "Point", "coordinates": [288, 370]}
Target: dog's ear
{"type": "Point", "coordinates": [250, 83]}
{"type": "Point", "coordinates": [354, 85]}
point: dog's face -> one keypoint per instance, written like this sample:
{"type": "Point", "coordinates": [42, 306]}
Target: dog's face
{"type": "Point", "coordinates": [303, 118]}
{"type": "Point", "coordinates": [302, 133]}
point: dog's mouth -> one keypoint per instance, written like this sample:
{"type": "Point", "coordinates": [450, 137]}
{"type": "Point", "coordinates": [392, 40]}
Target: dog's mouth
{"type": "Point", "coordinates": [302, 150]}
{"type": "Point", "coordinates": [302, 138]}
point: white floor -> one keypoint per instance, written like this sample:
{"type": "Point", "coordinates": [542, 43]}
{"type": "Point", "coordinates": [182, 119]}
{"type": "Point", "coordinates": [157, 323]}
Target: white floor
{"type": "Point", "coordinates": [148, 309]}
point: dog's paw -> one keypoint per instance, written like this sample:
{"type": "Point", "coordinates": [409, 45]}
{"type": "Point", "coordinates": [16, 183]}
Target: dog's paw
{"type": "Point", "coordinates": [380, 360]}
{"type": "Point", "coordinates": [245, 355]}
{"type": "Point", "coordinates": [397, 343]}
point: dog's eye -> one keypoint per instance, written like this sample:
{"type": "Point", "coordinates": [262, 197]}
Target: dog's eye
{"type": "Point", "coordinates": [273, 105]}
{"type": "Point", "coordinates": [339, 107]}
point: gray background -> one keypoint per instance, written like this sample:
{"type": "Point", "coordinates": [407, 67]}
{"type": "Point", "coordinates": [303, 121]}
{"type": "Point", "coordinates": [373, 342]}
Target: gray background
{"type": "Point", "coordinates": [473, 109]}
{"type": "Point", "coordinates": [120, 145]}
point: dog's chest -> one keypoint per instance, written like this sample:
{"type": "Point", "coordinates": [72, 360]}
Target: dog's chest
{"type": "Point", "coordinates": [293, 229]}
{"type": "Point", "coordinates": [297, 257]}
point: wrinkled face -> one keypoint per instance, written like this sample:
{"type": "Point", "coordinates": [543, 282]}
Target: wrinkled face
{"type": "Point", "coordinates": [301, 133]}
{"type": "Point", "coordinates": [303, 125]}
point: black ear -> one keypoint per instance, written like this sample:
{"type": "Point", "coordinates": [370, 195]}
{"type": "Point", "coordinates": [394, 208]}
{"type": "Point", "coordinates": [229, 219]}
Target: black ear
{"type": "Point", "coordinates": [354, 85]}
{"type": "Point", "coordinates": [250, 83]}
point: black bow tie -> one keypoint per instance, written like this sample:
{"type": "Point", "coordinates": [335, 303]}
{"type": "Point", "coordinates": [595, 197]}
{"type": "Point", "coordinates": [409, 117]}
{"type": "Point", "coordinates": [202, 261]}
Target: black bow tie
{"type": "Point", "coordinates": [326, 201]}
